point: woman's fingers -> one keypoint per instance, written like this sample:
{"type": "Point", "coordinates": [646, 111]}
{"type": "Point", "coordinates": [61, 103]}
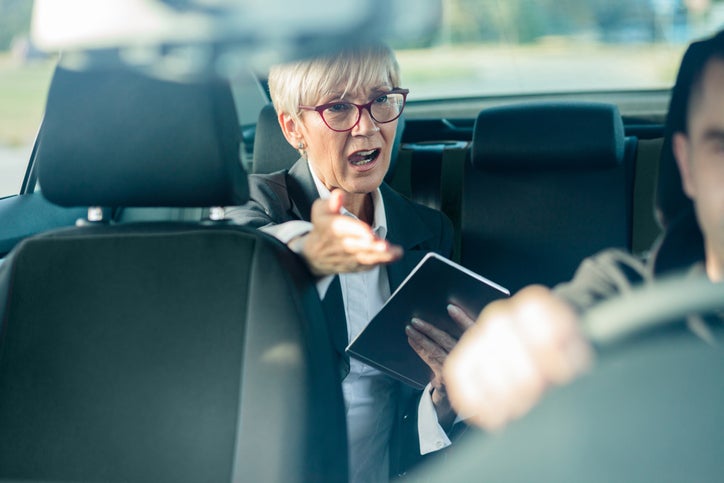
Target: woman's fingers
{"type": "Point", "coordinates": [436, 336]}
{"type": "Point", "coordinates": [461, 318]}
{"type": "Point", "coordinates": [341, 244]}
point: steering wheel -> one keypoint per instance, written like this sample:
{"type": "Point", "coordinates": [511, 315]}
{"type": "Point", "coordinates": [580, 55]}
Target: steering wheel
{"type": "Point", "coordinates": [651, 409]}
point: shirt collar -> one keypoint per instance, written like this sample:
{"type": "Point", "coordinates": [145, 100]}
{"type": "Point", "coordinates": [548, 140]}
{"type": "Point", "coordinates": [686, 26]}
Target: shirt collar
{"type": "Point", "coordinates": [379, 224]}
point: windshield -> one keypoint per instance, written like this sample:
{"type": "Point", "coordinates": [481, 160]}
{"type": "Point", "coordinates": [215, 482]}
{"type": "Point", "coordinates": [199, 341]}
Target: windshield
{"type": "Point", "coordinates": [509, 47]}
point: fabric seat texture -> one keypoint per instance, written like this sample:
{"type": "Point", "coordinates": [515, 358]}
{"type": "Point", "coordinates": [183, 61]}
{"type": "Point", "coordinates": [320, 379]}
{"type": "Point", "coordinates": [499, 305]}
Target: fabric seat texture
{"type": "Point", "coordinates": [159, 351]}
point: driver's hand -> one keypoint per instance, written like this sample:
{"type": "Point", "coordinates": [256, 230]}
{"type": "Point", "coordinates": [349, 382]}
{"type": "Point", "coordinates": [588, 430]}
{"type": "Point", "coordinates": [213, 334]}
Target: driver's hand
{"type": "Point", "coordinates": [341, 244]}
{"type": "Point", "coordinates": [518, 347]}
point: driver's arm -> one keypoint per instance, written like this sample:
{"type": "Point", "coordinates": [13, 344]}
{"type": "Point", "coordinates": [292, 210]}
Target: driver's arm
{"type": "Point", "coordinates": [520, 346]}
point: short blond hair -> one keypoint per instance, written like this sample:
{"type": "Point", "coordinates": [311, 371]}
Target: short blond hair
{"type": "Point", "coordinates": [305, 81]}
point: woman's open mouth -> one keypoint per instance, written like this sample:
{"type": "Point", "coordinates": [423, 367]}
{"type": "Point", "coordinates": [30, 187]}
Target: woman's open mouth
{"type": "Point", "coordinates": [363, 158]}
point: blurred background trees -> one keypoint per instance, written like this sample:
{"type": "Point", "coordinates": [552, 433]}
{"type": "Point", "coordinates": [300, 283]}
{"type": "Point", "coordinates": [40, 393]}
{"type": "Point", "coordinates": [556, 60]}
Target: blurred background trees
{"type": "Point", "coordinates": [14, 21]}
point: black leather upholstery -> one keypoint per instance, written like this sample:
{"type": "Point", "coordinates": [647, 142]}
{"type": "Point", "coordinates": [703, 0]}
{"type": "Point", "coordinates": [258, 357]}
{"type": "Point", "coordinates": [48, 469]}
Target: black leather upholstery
{"type": "Point", "coordinates": [548, 185]}
{"type": "Point", "coordinates": [159, 352]}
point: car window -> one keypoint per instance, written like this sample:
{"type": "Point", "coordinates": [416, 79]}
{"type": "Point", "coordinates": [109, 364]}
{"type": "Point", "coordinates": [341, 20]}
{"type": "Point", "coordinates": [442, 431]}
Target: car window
{"type": "Point", "coordinates": [23, 87]}
{"type": "Point", "coordinates": [24, 77]}
{"type": "Point", "coordinates": [512, 47]}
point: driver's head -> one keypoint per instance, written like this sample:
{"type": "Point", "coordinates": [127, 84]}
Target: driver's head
{"type": "Point", "coordinates": [699, 149]}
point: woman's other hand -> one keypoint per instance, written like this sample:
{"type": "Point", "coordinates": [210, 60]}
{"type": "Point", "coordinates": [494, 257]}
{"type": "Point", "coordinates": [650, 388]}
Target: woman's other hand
{"type": "Point", "coordinates": [433, 346]}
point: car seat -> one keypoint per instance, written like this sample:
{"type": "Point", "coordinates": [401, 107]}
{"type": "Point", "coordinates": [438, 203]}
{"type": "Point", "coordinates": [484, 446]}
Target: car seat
{"type": "Point", "coordinates": [548, 184]}
{"type": "Point", "coordinates": [159, 351]}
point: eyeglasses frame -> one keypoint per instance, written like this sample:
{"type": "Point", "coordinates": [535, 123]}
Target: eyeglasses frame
{"type": "Point", "coordinates": [321, 108]}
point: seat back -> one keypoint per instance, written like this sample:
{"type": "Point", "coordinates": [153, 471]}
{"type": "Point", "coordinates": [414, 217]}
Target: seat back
{"type": "Point", "coordinates": [272, 152]}
{"type": "Point", "coordinates": [549, 184]}
{"type": "Point", "coordinates": [159, 352]}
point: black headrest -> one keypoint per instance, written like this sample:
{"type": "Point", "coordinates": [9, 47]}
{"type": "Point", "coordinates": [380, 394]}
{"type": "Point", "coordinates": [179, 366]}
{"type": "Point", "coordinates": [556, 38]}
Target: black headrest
{"type": "Point", "coordinates": [272, 152]}
{"type": "Point", "coordinates": [118, 138]}
{"type": "Point", "coordinates": [548, 135]}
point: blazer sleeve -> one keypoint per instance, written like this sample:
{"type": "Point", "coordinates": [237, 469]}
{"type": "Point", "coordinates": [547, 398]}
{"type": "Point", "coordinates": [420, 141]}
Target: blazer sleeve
{"type": "Point", "coordinates": [268, 204]}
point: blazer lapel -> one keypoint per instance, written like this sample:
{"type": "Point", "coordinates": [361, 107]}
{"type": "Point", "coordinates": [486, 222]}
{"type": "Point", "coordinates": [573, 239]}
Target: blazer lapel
{"type": "Point", "coordinates": [406, 229]}
{"type": "Point", "coordinates": [337, 324]}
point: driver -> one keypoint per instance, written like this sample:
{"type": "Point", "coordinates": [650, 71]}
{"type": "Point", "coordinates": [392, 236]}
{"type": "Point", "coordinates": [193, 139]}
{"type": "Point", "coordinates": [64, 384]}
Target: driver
{"type": "Point", "coordinates": [522, 345]}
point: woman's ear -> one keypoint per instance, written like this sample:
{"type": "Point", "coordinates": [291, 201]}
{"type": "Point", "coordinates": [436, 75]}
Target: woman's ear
{"type": "Point", "coordinates": [680, 146]}
{"type": "Point", "coordinates": [290, 128]}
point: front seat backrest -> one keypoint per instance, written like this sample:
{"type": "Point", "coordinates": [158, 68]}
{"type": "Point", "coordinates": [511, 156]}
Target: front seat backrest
{"type": "Point", "coordinates": [159, 351]}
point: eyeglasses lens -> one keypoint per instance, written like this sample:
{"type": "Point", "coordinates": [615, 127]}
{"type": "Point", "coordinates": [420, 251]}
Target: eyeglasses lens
{"type": "Point", "coordinates": [343, 116]}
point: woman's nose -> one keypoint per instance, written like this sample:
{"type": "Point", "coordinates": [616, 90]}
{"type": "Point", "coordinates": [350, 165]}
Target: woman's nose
{"type": "Point", "coordinates": [366, 126]}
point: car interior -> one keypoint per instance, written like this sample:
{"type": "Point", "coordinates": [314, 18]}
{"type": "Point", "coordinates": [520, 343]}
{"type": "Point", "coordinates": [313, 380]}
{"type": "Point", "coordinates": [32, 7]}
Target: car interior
{"type": "Point", "coordinates": [135, 334]}
{"type": "Point", "coordinates": [521, 180]}
{"type": "Point", "coordinates": [531, 188]}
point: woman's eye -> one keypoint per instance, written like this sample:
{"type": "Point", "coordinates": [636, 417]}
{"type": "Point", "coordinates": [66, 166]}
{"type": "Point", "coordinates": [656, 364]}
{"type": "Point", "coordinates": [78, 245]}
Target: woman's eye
{"type": "Point", "coordinates": [339, 107]}
{"type": "Point", "coordinates": [381, 99]}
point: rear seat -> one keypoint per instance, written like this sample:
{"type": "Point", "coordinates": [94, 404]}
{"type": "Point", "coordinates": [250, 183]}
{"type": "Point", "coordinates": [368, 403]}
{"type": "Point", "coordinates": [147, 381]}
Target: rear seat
{"type": "Point", "coordinates": [549, 184]}
{"type": "Point", "coordinates": [573, 155]}
{"type": "Point", "coordinates": [272, 152]}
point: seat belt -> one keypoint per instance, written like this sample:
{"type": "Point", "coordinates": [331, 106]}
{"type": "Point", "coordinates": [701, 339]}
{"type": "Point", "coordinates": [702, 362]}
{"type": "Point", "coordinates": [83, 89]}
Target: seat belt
{"type": "Point", "coordinates": [454, 158]}
{"type": "Point", "coordinates": [645, 228]}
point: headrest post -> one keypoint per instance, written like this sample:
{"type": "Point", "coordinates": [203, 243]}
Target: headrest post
{"type": "Point", "coordinates": [95, 214]}
{"type": "Point", "coordinates": [217, 213]}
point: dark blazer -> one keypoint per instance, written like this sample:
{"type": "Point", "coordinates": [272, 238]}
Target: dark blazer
{"type": "Point", "coordinates": [288, 195]}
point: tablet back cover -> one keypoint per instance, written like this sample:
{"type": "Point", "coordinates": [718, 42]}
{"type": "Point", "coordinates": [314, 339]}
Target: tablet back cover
{"type": "Point", "coordinates": [433, 284]}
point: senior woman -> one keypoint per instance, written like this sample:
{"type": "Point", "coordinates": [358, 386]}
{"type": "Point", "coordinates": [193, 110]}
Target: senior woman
{"type": "Point", "coordinates": [360, 238]}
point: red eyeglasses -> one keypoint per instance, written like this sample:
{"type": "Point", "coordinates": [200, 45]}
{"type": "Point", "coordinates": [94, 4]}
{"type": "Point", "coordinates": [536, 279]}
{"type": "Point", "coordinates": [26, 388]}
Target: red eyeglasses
{"type": "Point", "coordinates": [342, 116]}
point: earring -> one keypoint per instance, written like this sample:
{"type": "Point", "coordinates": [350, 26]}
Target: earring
{"type": "Point", "coordinates": [302, 151]}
